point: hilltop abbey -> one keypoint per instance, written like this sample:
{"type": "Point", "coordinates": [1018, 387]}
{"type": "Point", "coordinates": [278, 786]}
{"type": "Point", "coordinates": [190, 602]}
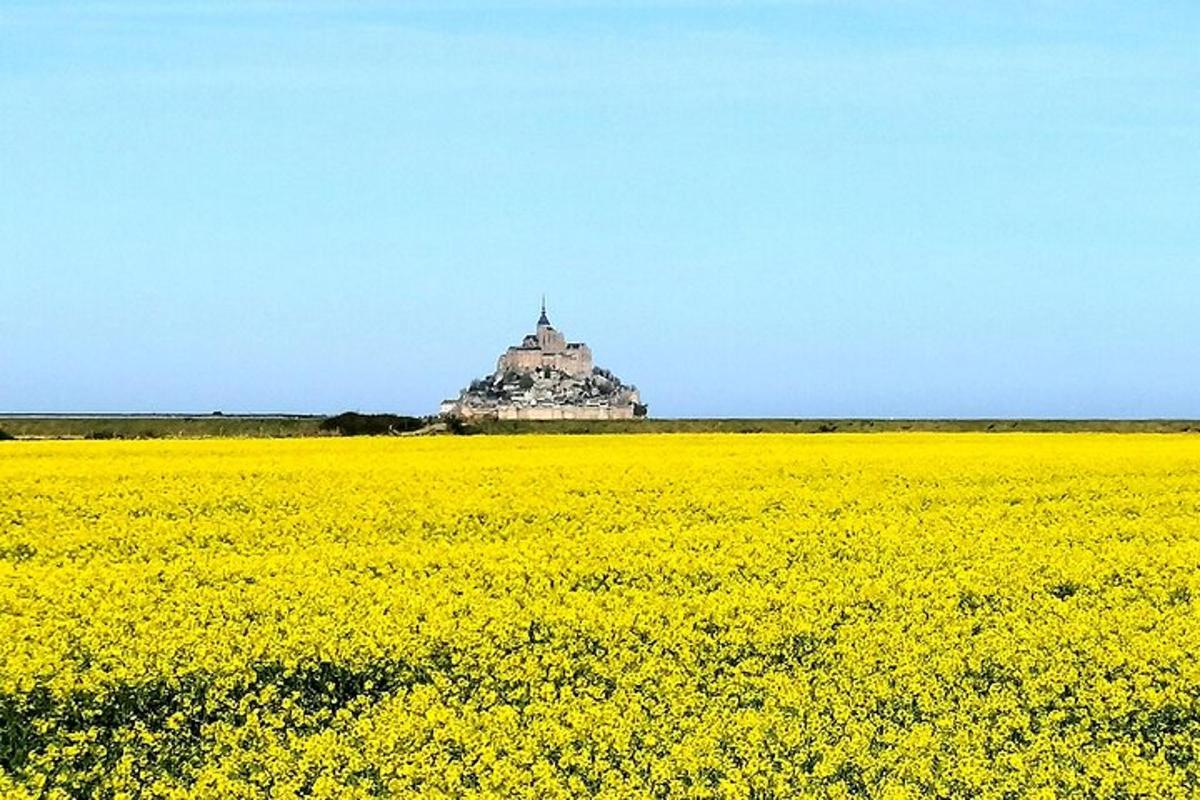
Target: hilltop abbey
{"type": "Point", "coordinates": [545, 377]}
{"type": "Point", "coordinates": [547, 348]}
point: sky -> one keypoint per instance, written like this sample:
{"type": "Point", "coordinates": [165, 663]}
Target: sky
{"type": "Point", "coordinates": [851, 208]}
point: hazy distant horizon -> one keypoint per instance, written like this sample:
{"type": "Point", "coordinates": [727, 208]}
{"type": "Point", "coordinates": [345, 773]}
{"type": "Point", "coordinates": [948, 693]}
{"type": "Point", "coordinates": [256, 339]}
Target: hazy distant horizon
{"type": "Point", "coordinates": [762, 210]}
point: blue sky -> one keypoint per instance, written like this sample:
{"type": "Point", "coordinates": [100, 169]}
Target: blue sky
{"type": "Point", "coordinates": [748, 209]}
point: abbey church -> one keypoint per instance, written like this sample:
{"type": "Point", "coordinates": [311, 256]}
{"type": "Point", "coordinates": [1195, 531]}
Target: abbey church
{"type": "Point", "coordinates": [545, 377]}
{"type": "Point", "coordinates": [547, 348]}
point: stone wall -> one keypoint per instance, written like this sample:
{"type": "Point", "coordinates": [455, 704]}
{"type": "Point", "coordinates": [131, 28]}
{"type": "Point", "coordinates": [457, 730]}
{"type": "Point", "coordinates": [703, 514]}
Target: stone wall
{"type": "Point", "coordinates": [537, 412]}
{"type": "Point", "coordinates": [564, 412]}
{"type": "Point", "coordinates": [573, 361]}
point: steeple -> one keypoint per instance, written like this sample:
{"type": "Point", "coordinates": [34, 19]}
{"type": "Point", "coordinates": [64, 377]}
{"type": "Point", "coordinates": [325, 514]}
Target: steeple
{"type": "Point", "coordinates": [543, 319]}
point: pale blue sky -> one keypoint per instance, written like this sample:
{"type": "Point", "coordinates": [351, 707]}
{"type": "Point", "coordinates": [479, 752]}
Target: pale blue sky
{"type": "Point", "coordinates": [748, 209]}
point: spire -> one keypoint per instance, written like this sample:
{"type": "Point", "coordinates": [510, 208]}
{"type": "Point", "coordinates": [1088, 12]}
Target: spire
{"type": "Point", "coordinates": [543, 319]}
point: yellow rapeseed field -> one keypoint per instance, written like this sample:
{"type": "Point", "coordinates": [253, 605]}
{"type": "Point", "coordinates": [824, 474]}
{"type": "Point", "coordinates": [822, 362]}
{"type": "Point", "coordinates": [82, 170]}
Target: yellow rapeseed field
{"type": "Point", "coordinates": [743, 616]}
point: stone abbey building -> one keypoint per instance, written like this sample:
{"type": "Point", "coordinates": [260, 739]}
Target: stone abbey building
{"type": "Point", "coordinates": [545, 377]}
{"type": "Point", "coordinates": [546, 347]}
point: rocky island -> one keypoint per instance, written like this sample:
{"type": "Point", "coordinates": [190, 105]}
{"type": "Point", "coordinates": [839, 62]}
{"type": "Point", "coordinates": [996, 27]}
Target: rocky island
{"type": "Point", "coordinates": [545, 377]}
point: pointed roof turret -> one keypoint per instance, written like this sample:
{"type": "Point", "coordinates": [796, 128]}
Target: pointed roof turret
{"type": "Point", "coordinates": [543, 319]}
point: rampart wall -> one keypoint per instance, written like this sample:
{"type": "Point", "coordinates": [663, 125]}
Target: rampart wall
{"type": "Point", "coordinates": [564, 412]}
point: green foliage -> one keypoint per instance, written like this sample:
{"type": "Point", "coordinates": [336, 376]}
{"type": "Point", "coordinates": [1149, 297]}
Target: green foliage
{"type": "Point", "coordinates": [458, 426]}
{"type": "Point", "coordinates": [354, 424]}
{"type": "Point", "coordinates": [164, 426]}
{"type": "Point", "coordinates": [646, 425]}
{"type": "Point", "coordinates": [264, 426]}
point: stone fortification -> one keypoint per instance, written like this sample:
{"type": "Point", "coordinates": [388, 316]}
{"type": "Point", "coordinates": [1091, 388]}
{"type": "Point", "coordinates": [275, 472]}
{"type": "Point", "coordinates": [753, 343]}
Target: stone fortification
{"type": "Point", "coordinates": [545, 377]}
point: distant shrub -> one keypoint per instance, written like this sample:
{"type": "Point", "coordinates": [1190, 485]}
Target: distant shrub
{"type": "Point", "coordinates": [460, 427]}
{"type": "Point", "coordinates": [99, 435]}
{"type": "Point", "coordinates": [354, 424]}
{"type": "Point", "coordinates": [640, 409]}
{"type": "Point", "coordinates": [5, 436]}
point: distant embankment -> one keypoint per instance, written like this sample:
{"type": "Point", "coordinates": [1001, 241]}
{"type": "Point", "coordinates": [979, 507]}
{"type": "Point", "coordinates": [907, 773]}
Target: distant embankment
{"type": "Point", "coordinates": [157, 426]}
{"type": "Point", "coordinates": [160, 426]}
{"type": "Point", "coordinates": [842, 426]}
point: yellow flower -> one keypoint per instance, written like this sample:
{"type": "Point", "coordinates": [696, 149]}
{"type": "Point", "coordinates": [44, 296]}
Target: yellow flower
{"type": "Point", "coordinates": [629, 616]}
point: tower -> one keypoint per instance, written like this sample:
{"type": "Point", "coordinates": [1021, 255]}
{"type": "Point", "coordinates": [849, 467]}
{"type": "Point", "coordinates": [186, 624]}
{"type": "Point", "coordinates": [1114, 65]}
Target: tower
{"type": "Point", "coordinates": [548, 339]}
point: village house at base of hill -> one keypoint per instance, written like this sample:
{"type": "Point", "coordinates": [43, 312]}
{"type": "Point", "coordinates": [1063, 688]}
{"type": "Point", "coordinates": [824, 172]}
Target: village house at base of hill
{"type": "Point", "coordinates": [546, 377]}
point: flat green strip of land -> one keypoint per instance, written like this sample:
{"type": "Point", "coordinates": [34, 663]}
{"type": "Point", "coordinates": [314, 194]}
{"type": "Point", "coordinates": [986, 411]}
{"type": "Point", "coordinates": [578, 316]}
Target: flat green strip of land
{"type": "Point", "coordinates": [155, 426]}
{"type": "Point", "coordinates": [169, 426]}
{"type": "Point", "coordinates": [852, 425]}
